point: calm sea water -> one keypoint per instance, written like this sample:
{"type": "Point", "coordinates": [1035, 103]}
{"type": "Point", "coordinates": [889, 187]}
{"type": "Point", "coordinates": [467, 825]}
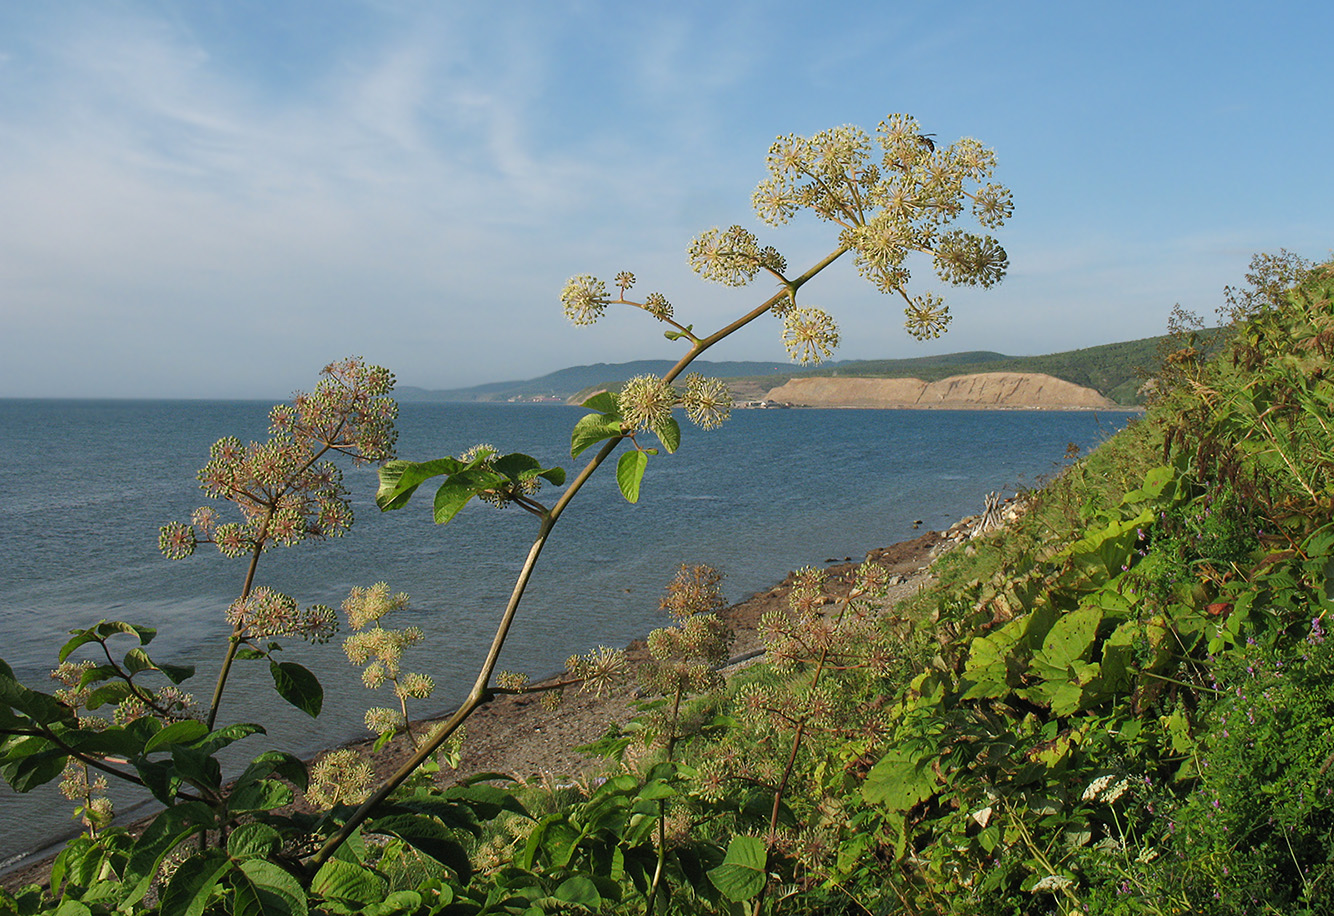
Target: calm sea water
{"type": "Point", "coordinates": [84, 486]}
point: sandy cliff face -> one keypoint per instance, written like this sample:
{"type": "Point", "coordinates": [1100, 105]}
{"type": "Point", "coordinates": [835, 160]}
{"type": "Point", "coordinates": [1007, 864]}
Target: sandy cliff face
{"type": "Point", "coordinates": [989, 389]}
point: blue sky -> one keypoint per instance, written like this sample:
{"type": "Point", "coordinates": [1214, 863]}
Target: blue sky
{"type": "Point", "coordinates": [216, 197]}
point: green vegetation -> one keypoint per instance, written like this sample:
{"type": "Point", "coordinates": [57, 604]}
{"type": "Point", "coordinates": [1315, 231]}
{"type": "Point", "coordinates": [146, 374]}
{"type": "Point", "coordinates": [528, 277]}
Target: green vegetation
{"type": "Point", "coordinates": [1122, 703]}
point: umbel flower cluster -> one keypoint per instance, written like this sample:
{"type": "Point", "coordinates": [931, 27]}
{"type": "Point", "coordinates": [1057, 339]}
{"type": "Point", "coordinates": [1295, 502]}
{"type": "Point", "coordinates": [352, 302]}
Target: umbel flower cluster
{"type": "Point", "coordinates": [894, 195]}
{"type": "Point", "coordinates": [646, 402]}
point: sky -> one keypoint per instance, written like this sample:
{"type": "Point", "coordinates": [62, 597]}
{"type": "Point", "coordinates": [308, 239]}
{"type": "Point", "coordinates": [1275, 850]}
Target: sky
{"type": "Point", "coordinates": [215, 198]}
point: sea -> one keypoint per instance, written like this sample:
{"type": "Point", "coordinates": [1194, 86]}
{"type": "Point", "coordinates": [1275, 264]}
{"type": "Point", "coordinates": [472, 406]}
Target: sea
{"type": "Point", "coordinates": [86, 484]}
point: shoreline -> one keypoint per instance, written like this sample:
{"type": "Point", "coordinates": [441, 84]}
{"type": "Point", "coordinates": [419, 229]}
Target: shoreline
{"type": "Point", "coordinates": [516, 736]}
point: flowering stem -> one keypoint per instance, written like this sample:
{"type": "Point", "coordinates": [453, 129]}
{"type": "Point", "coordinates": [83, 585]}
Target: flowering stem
{"type": "Point", "coordinates": [234, 641]}
{"type": "Point", "coordinates": [481, 692]}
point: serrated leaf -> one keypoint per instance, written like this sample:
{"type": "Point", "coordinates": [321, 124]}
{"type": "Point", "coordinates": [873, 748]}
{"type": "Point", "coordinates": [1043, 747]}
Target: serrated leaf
{"type": "Point", "coordinates": [348, 882]}
{"type": "Point", "coordinates": [31, 762]}
{"type": "Point", "coordinates": [579, 891]}
{"type": "Point", "coordinates": [900, 780]}
{"type": "Point", "coordinates": [162, 836]}
{"type": "Point", "coordinates": [741, 876]}
{"type": "Point", "coordinates": [591, 429]}
{"type": "Point", "coordinates": [253, 840]}
{"type": "Point", "coordinates": [191, 885]}
{"type": "Point", "coordinates": [450, 499]}
{"type": "Point", "coordinates": [187, 731]}
{"type": "Point", "coordinates": [264, 889]}
{"type": "Point", "coordinates": [108, 693]}
{"type": "Point", "coordinates": [603, 402]}
{"type": "Point", "coordinates": [177, 673]}
{"type": "Point", "coordinates": [428, 836]}
{"type": "Point", "coordinates": [630, 473]}
{"type": "Point", "coordinates": [298, 686]}
{"type": "Point", "coordinates": [400, 479]}
{"type": "Point", "coordinates": [264, 795]}
{"type": "Point", "coordinates": [669, 434]}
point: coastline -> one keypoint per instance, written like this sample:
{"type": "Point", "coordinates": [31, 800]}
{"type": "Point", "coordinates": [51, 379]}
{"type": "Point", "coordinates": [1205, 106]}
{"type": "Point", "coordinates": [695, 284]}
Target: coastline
{"type": "Point", "coordinates": [516, 736]}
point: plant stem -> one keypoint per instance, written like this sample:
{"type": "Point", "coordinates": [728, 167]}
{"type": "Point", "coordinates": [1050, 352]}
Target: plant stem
{"type": "Point", "coordinates": [481, 693]}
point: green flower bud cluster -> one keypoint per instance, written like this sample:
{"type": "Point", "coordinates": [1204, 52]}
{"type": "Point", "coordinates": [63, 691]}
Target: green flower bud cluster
{"type": "Point", "coordinates": [684, 658]}
{"type": "Point", "coordinates": [732, 256]}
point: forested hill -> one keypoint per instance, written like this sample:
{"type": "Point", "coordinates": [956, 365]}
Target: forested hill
{"type": "Point", "coordinates": [1114, 370]}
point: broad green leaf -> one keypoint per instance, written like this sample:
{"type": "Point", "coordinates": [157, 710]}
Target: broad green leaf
{"type": "Point", "coordinates": [264, 889]}
{"type": "Point", "coordinates": [591, 429]}
{"type": "Point", "coordinates": [162, 836]}
{"type": "Point", "coordinates": [348, 882]}
{"type": "Point", "coordinates": [104, 629]}
{"type": "Point", "coordinates": [428, 836]}
{"type": "Point", "coordinates": [450, 499]}
{"type": "Point", "coordinates": [191, 885]}
{"type": "Point", "coordinates": [298, 686]}
{"type": "Point", "coordinates": [113, 693]}
{"type": "Point", "coordinates": [253, 840]}
{"type": "Point", "coordinates": [41, 707]}
{"type": "Point", "coordinates": [603, 402]}
{"type": "Point", "coordinates": [27, 763]}
{"type": "Point", "coordinates": [177, 673]}
{"type": "Point", "coordinates": [630, 473]}
{"type": "Point", "coordinates": [400, 479]}
{"type": "Point", "coordinates": [286, 765]}
{"type": "Point", "coordinates": [515, 464]}
{"type": "Point", "coordinates": [227, 735]}
{"type": "Point", "coordinates": [264, 795]}
{"type": "Point", "coordinates": [555, 476]}
{"type": "Point", "coordinates": [137, 660]}
{"type": "Point", "coordinates": [741, 876]}
{"type": "Point", "coordinates": [900, 780]}
{"type": "Point", "coordinates": [403, 902]}
{"type": "Point", "coordinates": [187, 731]}
{"type": "Point", "coordinates": [669, 434]}
{"type": "Point", "coordinates": [1067, 642]}
{"type": "Point", "coordinates": [579, 891]}
{"type": "Point", "coordinates": [197, 768]}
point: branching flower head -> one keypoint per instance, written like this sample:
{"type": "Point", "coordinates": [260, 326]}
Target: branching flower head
{"type": "Point", "coordinates": [927, 316]}
{"type": "Point", "coordinates": [341, 777]}
{"type": "Point", "coordinates": [707, 401]}
{"type": "Point", "coordinates": [265, 612]}
{"type": "Point", "coordinates": [729, 256]}
{"type": "Point", "coordinates": [810, 335]}
{"type": "Point", "coordinates": [365, 606]}
{"type": "Point", "coordinates": [645, 402]}
{"type": "Point", "coordinates": [891, 196]}
{"type": "Point", "coordinates": [600, 670]}
{"type": "Point", "coordinates": [584, 298]}
{"type": "Point", "coordinates": [656, 304]}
